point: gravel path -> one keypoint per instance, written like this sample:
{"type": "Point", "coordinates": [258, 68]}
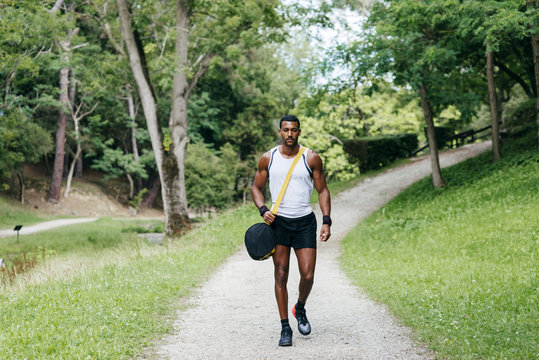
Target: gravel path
{"type": "Point", "coordinates": [47, 225]}
{"type": "Point", "coordinates": [234, 314]}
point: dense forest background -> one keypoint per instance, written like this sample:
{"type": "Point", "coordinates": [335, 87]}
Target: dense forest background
{"type": "Point", "coordinates": [185, 95]}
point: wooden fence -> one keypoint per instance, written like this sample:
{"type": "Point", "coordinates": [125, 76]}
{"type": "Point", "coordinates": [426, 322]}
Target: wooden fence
{"type": "Point", "coordinates": [460, 138]}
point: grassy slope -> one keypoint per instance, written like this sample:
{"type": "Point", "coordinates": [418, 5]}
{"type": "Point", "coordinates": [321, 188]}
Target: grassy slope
{"type": "Point", "coordinates": [459, 265]}
{"type": "Point", "coordinates": [12, 213]}
{"type": "Point", "coordinates": [115, 308]}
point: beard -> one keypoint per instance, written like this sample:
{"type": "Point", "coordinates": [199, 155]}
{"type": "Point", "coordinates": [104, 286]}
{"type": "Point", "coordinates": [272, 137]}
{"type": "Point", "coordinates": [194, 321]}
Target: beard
{"type": "Point", "coordinates": [288, 144]}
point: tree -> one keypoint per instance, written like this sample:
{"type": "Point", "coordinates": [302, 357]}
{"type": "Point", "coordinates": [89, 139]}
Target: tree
{"type": "Point", "coordinates": [416, 43]}
{"type": "Point", "coordinates": [209, 178]}
{"type": "Point", "coordinates": [533, 8]}
{"type": "Point", "coordinates": [498, 31]}
{"type": "Point", "coordinates": [26, 37]}
{"type": "Point", "coordinates": [65, 46]}
{"type": "Point", "coordinates": [202, 31]}
{"type": "Point", "coordinates": [353, 113]}
{"type": "Point", "coordinates": [21, 142]}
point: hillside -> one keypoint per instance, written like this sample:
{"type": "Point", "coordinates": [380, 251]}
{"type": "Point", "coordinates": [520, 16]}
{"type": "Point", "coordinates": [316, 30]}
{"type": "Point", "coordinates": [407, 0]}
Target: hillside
{"type": "Point", "coordinates": [89, 196]}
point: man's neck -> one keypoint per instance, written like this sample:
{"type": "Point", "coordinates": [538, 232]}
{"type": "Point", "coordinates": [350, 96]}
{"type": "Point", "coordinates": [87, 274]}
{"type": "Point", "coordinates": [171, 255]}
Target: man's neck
{"type": "Point", "coordinates": [289, 151]}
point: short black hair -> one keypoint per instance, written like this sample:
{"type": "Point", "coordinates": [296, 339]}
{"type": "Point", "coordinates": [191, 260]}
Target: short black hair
{"type": "Point", "coordinates": [289, 118]}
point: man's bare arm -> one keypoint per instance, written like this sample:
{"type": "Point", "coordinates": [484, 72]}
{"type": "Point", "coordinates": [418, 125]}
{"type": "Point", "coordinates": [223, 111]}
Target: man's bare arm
{"type": "Point", "coordinates": [261, 177]}
{"type": "Point", "coordinates": [315, 163]}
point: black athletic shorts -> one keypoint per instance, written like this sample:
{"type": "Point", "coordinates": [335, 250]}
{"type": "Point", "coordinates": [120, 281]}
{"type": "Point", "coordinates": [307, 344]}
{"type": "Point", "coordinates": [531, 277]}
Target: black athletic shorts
{"type": "Point", "coordinates": [295, 232]}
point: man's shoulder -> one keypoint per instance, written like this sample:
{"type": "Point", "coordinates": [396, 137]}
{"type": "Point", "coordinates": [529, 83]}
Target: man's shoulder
{"type": "Point", "coordinates": [313, 159]}
{"type": "Point", "coordinates": [268, 154]}
{"type": "Point", "coordinates": [266, 157]}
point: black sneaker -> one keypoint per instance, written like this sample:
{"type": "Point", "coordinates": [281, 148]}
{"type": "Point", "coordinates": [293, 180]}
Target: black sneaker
{"type": "Point", "coordinates": [304, 327]}
{"type": "Point", "coordinates": [286, 337]}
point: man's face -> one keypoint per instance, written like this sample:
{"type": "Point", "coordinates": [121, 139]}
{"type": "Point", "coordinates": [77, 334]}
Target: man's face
{"type": "Point", "coordinates": [289, 132]}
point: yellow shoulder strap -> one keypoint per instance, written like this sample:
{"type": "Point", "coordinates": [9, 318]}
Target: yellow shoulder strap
{"type": "Point", "coordinates": [287, 180]}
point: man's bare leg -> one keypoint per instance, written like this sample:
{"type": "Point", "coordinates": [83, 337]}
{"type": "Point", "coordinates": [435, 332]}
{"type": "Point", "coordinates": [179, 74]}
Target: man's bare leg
{"type": "Point", "coordinates": [306, 263]}
{"type": "Point", "coordinates": [281, 262]}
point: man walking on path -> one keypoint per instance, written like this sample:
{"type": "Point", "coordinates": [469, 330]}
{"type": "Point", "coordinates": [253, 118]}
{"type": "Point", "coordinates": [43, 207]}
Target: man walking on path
{"type": "Point", "coordinates": [295, 223]}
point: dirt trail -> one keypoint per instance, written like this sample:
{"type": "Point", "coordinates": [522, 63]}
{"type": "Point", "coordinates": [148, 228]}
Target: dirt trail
{"type": "Point", "coordinates": [234, 314]}
{"type": "Point", "coordinates": [47, 225]}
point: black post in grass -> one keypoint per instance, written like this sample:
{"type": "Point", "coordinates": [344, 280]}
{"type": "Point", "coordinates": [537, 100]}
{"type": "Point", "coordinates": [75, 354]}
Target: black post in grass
{"type": "Point", "coordinates": [17, 229]}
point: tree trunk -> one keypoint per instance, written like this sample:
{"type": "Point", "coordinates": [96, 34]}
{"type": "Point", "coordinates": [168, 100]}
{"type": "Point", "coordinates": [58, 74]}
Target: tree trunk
{"type": "Point", "coordinates": [71, 170]}
{"type": "Point", "coordinates": [72, 94]}
{"type": "Point", "coordinates": [131, 186]}
{"type": "Point", "coordinates": [437, 179]}
{"type": "Point", "coordinates": [131, 108]}
{"type": "Point", "coordinates": [499, 98]}
{"type": "Point", "coordinates": [535, 46]}
{"type": "Point", "coordinates": [493, 107]}
{"type": "Point", "coordinates": [21, 187]}
{"type": "Point", "coordinates": [134, 145]}
{"type": "Point", "coordinates": [58, 167]}
{"type": "Point", "coordinates": [173, 192]}
{"type": "Point", "coordinates": [153, 192]}
{"type": "Point", "coordinates": [79, 167]}
{"type": "Point", "coordinates": [174, 169]}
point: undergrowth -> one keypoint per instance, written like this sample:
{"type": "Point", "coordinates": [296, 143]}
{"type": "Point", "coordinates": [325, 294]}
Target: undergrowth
{"type": "Point", "coordinates": [459, 264]}
{"type": "Point", "coordinates": [118, 304]}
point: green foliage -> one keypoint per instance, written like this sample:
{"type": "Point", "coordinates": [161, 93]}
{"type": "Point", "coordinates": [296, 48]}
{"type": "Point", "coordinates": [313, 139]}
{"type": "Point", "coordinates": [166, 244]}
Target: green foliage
{"type": "Point", "coordinates": [21, 141]}
{"type": "Point", "coordinates": [378, 151]}
{"type": "Point", "coordinates": [416, 42]}
{"type": "Point", "coordinates": [459, 264]}
{"type": "Point", "coordinates": [352, 114]}
{"type": "Point", "coordinates": [443, 135]}
{"type": "Point", "coordinates": [209, 181]}
{"type": "Point", "coordinates": [116, 163]}
{"type": "Point", "coordinates": [137, 199]}
{"type": "Point", "coordinates": [27, 32]}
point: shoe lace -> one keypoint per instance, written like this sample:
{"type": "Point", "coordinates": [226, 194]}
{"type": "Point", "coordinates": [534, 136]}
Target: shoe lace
{"type": "Point", "coordinates": [301, 315]}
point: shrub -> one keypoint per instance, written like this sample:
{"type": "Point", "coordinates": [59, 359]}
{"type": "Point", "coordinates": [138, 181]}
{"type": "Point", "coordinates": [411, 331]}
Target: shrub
{"type": "Point", "coordinates": [375, 152]}
{"type": "Point", "coordinates": [444, 136]}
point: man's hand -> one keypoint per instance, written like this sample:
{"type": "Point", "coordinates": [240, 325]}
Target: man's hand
{"type": "Point", "coordinates": [268, 217]}
{"type": "Point", "coordinates": [325, 233]}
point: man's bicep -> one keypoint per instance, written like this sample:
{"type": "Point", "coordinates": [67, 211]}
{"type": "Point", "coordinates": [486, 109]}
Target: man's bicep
{"type": "Point", "coordinates": [261, 176]}
{"type": "Point", "coordinates": [318, 174]}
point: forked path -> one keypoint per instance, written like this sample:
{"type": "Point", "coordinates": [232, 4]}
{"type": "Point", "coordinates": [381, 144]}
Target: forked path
{"type": "Point", "coordinates": [234, 314]}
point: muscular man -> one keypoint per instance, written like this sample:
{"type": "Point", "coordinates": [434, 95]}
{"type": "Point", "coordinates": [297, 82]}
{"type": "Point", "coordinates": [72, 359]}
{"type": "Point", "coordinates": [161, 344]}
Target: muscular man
{"type": "Point", "coordinates": [295, 223]}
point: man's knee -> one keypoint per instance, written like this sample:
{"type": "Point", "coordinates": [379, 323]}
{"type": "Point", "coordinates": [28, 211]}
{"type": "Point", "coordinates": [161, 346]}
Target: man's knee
{"type": "Point", "coordinates": [281, 274]}
{"type": "Point", "coordinates": [307, 277]}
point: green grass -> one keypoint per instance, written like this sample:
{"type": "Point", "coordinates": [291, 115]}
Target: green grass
{"type": "Point", "coordinates": [121, 303]}
{"type": "Point", "coordinates": [459, 265]}
{"type": "Point", "coordinates": [76, 240]}
{"type": "Point", "coordinates": [12, 214]}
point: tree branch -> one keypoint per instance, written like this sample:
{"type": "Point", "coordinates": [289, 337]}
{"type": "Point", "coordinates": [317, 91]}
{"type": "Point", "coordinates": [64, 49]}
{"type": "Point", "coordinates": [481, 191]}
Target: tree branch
{"type": "Point", "coordinates": [204, 65]}
{"type": "Point", "coordinates": [56, 6]}
{"type": "Point", "coordinates": [515, 77]}
{"type": "Point", "coordinates": [89, 111]}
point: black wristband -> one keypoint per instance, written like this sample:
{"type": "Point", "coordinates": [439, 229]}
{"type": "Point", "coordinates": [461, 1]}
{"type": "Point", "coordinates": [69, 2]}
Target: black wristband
{"type": "Point", "coordinates": [326, 220]}
{"type": "Point", "coordinates": [263, 210]}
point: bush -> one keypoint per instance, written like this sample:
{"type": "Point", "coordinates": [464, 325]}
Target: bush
{"type": "Point", "coordinates": [376, 152]}
{"type": "Point", "coordinates": [444, 136]}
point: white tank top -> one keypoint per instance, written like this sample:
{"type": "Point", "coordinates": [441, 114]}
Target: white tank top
{"type": "Point", "coordinates": [296, 201]}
